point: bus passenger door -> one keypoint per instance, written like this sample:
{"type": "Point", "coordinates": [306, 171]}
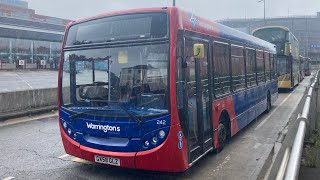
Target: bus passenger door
{"type": "Point", "coordinates": [197, 89]}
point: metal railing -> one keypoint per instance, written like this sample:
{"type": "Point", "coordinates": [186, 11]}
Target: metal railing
{"type": "Point", "coordinates": [290, 166]}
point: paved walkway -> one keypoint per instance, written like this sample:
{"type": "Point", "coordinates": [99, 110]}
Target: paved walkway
{"type": "Point", "coordinates": [26, 80]}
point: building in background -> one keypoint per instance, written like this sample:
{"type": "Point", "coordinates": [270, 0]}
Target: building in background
{"type": "Point", "coordinates": [27, 38]}
{"type": "Point", "coordinates": [305, 28]}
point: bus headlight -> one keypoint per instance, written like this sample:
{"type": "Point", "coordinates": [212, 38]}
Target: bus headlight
{"type": "Point", "coordinates": [162, 134]}
{"type": "Point", "coordinates": [155, 140]}
{"type": "Point", "coordinates": [64, 125]}
{"type": "Point", "coordinates": [69, 131]}
{"type": "Point", "coordinates": [146, 143]}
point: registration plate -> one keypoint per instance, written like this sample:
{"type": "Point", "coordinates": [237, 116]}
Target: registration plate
{"type": "Point", "coordinates": [107, 160]}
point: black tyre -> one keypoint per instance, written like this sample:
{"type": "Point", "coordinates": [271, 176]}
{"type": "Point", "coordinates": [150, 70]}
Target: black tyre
{"type": "Point", "coordinates": [268, 103]}
{"type": "Point", "coordinates": [223, 134]}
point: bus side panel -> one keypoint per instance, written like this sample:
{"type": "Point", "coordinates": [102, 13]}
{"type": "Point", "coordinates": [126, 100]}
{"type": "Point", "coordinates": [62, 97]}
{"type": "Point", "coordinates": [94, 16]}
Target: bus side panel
{"type": "Point", "coordinates": [251, 103]}
{"type": "Point", "coordinates": [245, 106]}
{"type": "Point", "coordinates": [274, 91]}
{"type": "Point", "coordinates": [261, 105]}
{"type": "Point", "coordinates": [244, 102]}
{"type": "Point", "coordinates": [225, 104]}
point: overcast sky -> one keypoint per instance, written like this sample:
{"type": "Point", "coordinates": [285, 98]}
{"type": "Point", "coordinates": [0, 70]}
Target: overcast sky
{"type": "Point", "coordinates": [212, 9]}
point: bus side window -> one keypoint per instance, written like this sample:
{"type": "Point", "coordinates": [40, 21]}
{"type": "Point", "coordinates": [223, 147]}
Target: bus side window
{"type": "Point", "coordinates": [260, 66]}
{"type": "Point", "coordinates": [179, 73]}
{"type": "Point", "coordinates": [267, 65]}
{"type": "Point", "coordinates": [238, 69]}
{"type": "Point", "coordinates": [221, 69]}
{"type": "Point", "coordinates": [272, 65]}
{"type": "Point", "coordinates": [251, 68]}
{"type": "Point", "coordinates": [275, 66]}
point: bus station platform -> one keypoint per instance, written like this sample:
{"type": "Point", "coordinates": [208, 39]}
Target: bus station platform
{"type": "Point", "coordinates": [25, 92]}
{"type": "Point", "coordinates": [21, 80]}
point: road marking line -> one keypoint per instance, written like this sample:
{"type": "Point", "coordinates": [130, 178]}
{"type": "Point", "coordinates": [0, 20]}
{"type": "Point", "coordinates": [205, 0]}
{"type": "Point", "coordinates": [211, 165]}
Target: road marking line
{"type": "Point", "coordinates": [25, 81]}
{"type": "Point", "coordinates": [63, 156]}
{"type": "Point", "coordinates": [78, 160]}
{"type": "Point", "coordinates": [8, 178]}
{"type": "Point", "coordinates": [221, 165]}
{"type": "Point", "coordinates": [268, 117]}
{"type": "Point", "coordinates": [24, 119]}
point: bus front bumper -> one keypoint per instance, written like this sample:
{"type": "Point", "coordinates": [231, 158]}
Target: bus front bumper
{"type": "Point", "coordinates": [166, 157]}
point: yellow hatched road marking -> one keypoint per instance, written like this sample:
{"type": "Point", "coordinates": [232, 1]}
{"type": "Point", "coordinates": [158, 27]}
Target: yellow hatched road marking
{"type": "Point", "coordinates": [63, 156]}
{"type": "Point", "coordinates": [8, 178]}
{"type": "Point", "coordinates": [78, 160]}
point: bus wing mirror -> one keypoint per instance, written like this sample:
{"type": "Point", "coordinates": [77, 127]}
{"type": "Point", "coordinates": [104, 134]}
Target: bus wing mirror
{"type": "Point", "coordinates": [198, 51]}
{"type": "Point", "coordinates": [287, 49]}
{"type": "Point", "coordinates": [123, 57]}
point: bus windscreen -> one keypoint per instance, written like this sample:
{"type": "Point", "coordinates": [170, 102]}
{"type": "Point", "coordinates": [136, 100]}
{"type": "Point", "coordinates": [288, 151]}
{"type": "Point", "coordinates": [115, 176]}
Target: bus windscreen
{"type": "Point", "coordinates": [271, 35]}
{"type": "Point", "coordinates": [119, 28]}
{"type": "Point", "coordinates": [135, 77]}
{"type": "Point", "coordinates": [275, 36]}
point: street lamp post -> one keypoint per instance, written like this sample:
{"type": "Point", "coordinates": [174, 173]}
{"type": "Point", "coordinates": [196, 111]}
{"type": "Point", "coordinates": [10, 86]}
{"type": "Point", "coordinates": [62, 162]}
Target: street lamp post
{"type": "Point", "coordinates": [264, 9]}
{"type": "Point", "coordinates": [174, 3]}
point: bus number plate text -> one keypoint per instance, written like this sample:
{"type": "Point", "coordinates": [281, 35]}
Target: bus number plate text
{"type": "Point", "coordinates": [107, 160]}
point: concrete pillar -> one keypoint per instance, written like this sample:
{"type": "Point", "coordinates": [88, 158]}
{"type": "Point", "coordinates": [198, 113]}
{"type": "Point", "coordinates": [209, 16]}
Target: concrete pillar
{"type": "Point", "coordinates": [32, 57]}
{"type": "Point", "coordinates": [10, 47]}
{"type": "Point", "coordinates": [50, 51]}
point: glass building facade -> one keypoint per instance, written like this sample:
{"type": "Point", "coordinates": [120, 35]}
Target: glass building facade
{"type": "Point", "coordinates": [32, 51]}
{"type": "Point", "coordinates": [28, 37]}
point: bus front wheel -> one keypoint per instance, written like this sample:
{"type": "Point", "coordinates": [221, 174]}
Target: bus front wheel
{"type": "Point", "coordinates": [222, 133]}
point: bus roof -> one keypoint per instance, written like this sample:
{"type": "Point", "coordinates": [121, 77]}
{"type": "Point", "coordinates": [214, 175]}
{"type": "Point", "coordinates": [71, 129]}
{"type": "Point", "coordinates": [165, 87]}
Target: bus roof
{"type": "Point", "coordinates": [184, 20]}
{"type": "Point", "coordinates": [270, 27]}
{"type": "Point", "coordinates": [129, 11]}
{"type": "Point", "coordinates": [191, 22]}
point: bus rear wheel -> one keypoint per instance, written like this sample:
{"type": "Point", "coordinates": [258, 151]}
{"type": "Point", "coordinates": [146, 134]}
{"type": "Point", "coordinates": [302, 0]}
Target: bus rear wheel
{"type": "Point", "coordinates": [268, 103]}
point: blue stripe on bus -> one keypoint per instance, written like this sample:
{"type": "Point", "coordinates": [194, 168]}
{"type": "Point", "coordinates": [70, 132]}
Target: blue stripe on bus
{"type": "Point", "coordinates": [252, 102]}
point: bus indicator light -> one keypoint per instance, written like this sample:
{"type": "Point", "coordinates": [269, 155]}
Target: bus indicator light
{"type": "Point", "coordinates": [180, 135]}
{"type": "Point", "coordinates": [162, 134]}
{"type": "Point", "coordinates": [180, 144]}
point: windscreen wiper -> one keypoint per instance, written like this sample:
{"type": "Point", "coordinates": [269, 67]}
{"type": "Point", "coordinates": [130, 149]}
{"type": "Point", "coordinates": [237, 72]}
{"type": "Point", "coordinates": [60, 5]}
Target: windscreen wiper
{"type": "Point", "coordinates": [82, 42]}
{"type": "Point", "coordinates": [73, 116]}
{"type": "Point", "coordinates": [134, 117]}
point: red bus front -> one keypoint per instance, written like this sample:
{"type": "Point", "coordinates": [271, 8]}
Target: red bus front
{"type": "Point", "coordinates": [116, 92]}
